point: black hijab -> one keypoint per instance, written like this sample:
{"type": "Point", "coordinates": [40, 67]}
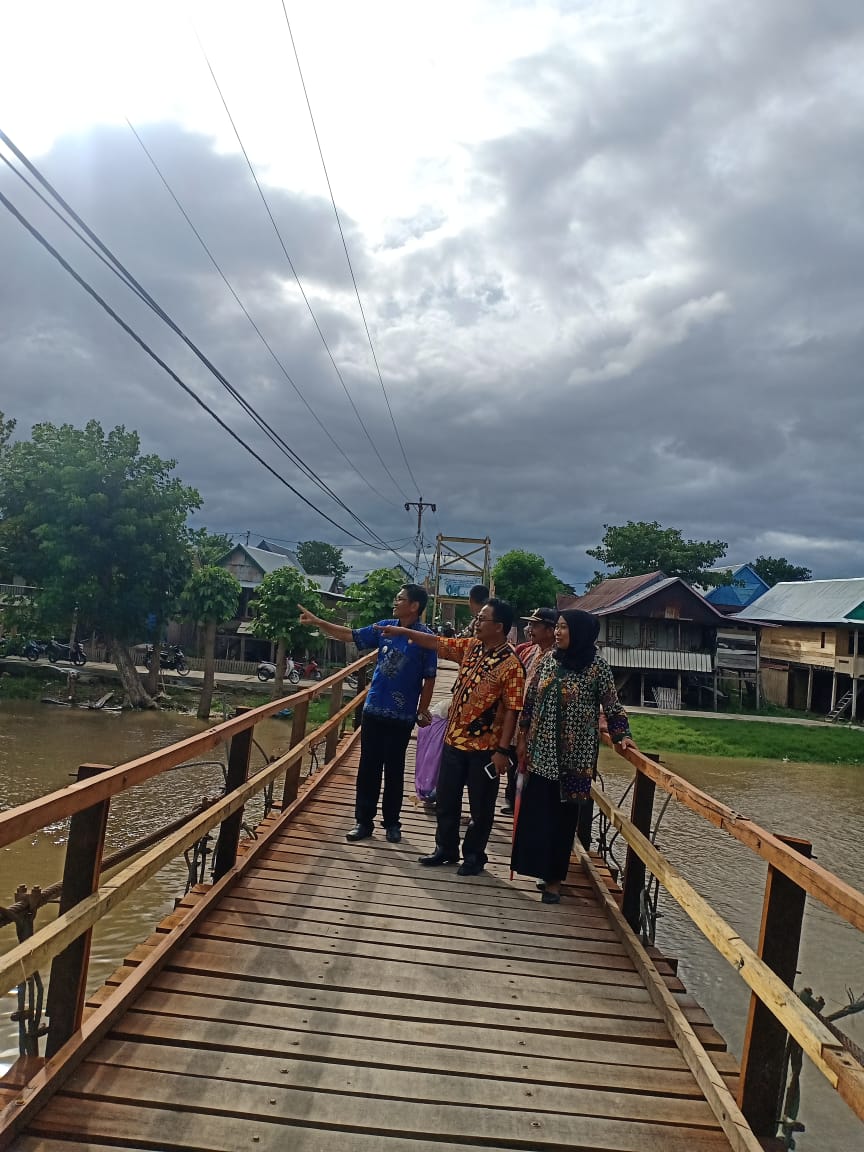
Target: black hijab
{"type": "Point", "coordinates": [584, 630]}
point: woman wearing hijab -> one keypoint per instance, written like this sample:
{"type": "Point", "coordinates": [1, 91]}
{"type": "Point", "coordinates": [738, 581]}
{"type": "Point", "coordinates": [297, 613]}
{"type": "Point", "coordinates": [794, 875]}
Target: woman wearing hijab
{"type": "Point", "coordinates": [558, 745]}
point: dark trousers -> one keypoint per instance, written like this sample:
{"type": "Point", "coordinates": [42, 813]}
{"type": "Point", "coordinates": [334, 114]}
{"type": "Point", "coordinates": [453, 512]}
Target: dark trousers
{"type": "Point", "coordinates": [383, 744]}
{"type": "Point", "coordinates": [459, 769]}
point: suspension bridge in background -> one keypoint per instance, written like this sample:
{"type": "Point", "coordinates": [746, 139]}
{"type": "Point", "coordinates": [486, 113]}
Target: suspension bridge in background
{"type": "Point", "coordinates": [320, 995]}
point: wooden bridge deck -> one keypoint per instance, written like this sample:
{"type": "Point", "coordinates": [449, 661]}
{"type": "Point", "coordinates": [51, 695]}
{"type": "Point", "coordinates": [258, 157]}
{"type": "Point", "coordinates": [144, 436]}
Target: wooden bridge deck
{"type": "Point", "coordinates": [339, 996]}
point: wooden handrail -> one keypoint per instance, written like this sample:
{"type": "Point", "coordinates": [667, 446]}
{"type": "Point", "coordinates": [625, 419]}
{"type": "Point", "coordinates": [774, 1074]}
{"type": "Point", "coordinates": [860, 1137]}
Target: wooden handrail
{"type": "Point", "coordinates": [821, 884]}
{"type": "Point", "coordinates": [839, 1068]}
{"type": "Point", "coordinates": [25, 959]}
{"type": "Point", "coordinates": [30, 817]}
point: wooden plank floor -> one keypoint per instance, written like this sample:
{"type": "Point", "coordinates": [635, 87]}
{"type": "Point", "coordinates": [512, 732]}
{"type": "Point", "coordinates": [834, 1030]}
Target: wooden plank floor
{"type": "Point", "coordinates": [343, 997]}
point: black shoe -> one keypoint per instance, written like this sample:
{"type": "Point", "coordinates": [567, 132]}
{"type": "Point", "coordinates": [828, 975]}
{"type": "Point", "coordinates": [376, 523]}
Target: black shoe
{"type": "Point", "coordinates": [359, 832]}
{"type": "Point", "coordinates": [437, 858]}
{"type": "Point", "coordinates": [506, 809]}
{"type": "Point", "coordinates": [470, 868]}
{"type": "Point", "coordinates": [550, 898]}
{"type": "Point", "coordinates": [394, 833]}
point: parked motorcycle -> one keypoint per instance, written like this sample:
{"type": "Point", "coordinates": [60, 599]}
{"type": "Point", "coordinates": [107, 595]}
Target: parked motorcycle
{"type": "Point", "coordinates": [35, 649]}
{"type": "Point", "coordinates": [57, 650]}
{"type": "Point", "coordinates": [171, 658]}
{"type": "Point", "coordinates": [267, 671]}
{"type": "Point", "coordinates": [311, 671]}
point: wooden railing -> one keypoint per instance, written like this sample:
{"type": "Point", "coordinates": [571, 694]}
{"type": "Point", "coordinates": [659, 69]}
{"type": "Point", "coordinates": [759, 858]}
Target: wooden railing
{"type": "Point", "coordinates": [84, 901]}
{"type": "Point", "coordinates": [775, 1009]}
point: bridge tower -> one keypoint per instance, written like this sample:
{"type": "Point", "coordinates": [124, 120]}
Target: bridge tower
{"type": "Point", "coordinates": [460, 563]}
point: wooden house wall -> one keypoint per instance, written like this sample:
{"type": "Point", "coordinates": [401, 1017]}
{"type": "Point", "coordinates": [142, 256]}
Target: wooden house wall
{"type": "Point", "coordinates": [802, 644]}
{"type": "Point", "coordinates": [652, 632]}
{"type": "Point", "coordinates": [242, 568]}
{"type": "Point", "coordinates": [775, 686]}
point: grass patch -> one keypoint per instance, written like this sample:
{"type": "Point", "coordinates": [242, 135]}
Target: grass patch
{"type": "Point", "coordinates": [749, 739]}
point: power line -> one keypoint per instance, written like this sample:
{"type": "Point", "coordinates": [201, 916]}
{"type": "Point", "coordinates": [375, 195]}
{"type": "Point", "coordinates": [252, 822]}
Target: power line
{"type": "Point", "coordinates": [129, 280]}
{"type": "Point", "coordinates": [347, 256]}
{"type": "Point", "coordinates": [91, 291]}
{"type": "Point", "coordinates": [293, 269]}
{"type": "Point", "coordinates": [261, 336]}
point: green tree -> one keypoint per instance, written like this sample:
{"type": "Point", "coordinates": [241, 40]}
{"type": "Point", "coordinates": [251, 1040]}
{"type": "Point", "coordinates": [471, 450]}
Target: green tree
{"type": "Point", "coordinates": [372, 599]}
{"type": "Point", "coordinates": [774, 569]}
{"type": "Point", "coordinates": [211, 597]}
{"type": "Point", "coordinates": [95, 524]}
{"type": "Point", "coordinates": [209, 547]}
{"type": "Point", "coordinates": [277, 616]}
{"type": "Point", "coordinates": [7, 427]}
{"type": "Point", "coordinates": [320, 559]}
{"type": "Point", "coordinates": [637, 547]}
{"type": "Point", "coordinates": [525, 580]}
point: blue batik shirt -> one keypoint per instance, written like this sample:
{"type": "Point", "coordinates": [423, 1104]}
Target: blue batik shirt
{"type": "Point", "coordinates": [399, 674]}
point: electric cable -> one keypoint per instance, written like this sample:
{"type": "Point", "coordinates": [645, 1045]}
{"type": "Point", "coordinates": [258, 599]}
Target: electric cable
{"type": "Point", "coordinates": [91, 291]}
{"type": "Point", "coordinates": [294, 270]}
{"type": "Point", "coordinates": [347, 256]}
{"type": "Point", "coordinates": [245, 311]}
{"type": "Point", "coordinates": [123, 273]}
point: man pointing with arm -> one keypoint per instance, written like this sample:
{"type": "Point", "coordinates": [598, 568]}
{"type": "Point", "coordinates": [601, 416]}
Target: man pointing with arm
{"type": "Point", "coordinates": [399, 697]}
{"type": "Point", "coordinates": [487, 698]}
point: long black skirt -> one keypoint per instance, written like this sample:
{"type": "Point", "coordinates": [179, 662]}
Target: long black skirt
{"type": "Point", "coordinates": [544, 832]}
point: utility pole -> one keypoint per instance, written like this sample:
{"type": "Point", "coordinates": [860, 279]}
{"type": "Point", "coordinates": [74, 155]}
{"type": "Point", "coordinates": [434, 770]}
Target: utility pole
{"type": "Point", "coordinates": [418, 539]}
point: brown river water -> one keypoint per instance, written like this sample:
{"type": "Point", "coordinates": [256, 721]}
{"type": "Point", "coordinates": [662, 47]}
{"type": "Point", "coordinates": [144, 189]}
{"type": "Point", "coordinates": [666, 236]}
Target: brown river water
{"type": "Point", "coordinates": [40, 749]}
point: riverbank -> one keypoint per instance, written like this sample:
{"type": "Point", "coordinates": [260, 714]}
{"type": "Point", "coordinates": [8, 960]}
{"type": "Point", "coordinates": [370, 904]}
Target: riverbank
{"type": "Point", "coordinates": [756, 739]}
{"type": "Point", "coordinates": [50, 682]}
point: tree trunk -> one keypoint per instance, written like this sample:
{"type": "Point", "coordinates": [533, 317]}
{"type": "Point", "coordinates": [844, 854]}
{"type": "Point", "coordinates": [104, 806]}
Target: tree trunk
{"type": "Point", "coordinates": [151, 676]}
{"type": "Point", "coordinates": [136, 696]}
{"type": "Point", "coordinates": [279, 678]}
{"type": "Point", "coordinates": [209, 670]}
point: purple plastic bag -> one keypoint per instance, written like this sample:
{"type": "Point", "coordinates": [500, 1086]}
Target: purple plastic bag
{"type": "Point", "coordinates": [430, 745]}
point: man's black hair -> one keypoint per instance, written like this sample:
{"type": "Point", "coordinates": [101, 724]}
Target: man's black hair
{"type": "Point", "coordinates": [479, 594]}
{"type": "Point", "coordinates": [417, 595]}
{"type": "Point", "coordinates": [502, 612]}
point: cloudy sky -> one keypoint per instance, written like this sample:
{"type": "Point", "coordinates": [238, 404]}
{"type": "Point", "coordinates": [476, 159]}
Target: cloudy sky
{"type": "Point", "coordinates": [611, 256]}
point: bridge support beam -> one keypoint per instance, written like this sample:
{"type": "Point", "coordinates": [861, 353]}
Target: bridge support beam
{"type": "Point", "coordinates": [763, 1063]}
{"type": "Point", "coordinates": [298, 733]}
{"type": "Point", "coordinates": [333, 734]}
{"type": "Point", "coordinates": [239, 755]}
{"type": "Point", "coordinates": [67, 988]}
{"type": "Point", "coordinates": [634, 866]}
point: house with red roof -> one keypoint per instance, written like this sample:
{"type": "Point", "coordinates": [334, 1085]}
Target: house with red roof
{"type": "Point", "coordinates": [666, 644]}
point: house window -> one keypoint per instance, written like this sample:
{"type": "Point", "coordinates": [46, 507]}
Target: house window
{"type": "Point", "coordinates": [851, 648]}
{"type": "Point", "coordinates": [648, 634]}
{"type": "Point", "coordinates": [822, 640]}
{"type": "Point", "coordinates": [615, 632]}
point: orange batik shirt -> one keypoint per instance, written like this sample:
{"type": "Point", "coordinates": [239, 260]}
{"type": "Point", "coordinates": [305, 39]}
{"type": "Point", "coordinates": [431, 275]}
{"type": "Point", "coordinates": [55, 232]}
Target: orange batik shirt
{"type": "Point", "coordinates": [490, 683]}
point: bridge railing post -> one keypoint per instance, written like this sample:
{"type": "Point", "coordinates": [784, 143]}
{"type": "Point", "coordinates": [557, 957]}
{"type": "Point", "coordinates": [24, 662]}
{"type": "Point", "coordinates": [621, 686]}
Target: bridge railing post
{"type": "Point", "coordinates": [333, 734]}
{"type": "Point", "coordinates": [298, 733]}
{"type": "Point", "coordinates": [761, 1085]}
{"type": "Point", "coordinates": [362, 681]}
{"type": "Point", "coordinates": [634, 867]}
{"type": "Point", "coordinates": [67, 988]}
{"type": "Point", "coordinates": [239, 755]}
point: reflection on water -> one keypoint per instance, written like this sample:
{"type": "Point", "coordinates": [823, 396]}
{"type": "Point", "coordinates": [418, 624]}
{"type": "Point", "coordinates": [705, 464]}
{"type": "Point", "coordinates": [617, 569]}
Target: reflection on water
{"type": "Point", "coordinates": [823, 803]}
{"type": "Point", "coordinates": [40, 750]}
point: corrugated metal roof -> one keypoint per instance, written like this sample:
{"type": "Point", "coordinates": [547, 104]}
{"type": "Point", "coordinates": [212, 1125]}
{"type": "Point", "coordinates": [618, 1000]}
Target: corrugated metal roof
{"type": "Point", "coordinates": [272, 561]}
{"type": "Point", "coordinates": [808, 602]}
{"type": "Point", "coordinates": [656, 659]}
{"type": "Point", "coordinates": [608, 592]}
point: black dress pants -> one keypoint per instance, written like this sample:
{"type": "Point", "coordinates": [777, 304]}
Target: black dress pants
{"type": "Point", "coordinates": [383, 744]}
{"type": "Point", "coordinates": [458, 770]}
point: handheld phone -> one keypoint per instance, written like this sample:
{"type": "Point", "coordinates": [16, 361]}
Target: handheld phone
{"type": "Point", "coordinates": [490, 770]}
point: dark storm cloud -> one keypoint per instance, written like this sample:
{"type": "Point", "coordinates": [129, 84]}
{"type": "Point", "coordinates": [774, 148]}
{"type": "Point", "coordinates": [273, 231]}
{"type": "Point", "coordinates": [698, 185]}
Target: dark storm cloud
{"type": "Point", "coordinates": [657, 318]}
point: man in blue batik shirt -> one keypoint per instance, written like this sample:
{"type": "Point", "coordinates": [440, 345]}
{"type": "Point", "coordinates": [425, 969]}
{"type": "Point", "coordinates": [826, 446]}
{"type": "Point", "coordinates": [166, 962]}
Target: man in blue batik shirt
{"type": "Point", "coordinates": [399, 697]}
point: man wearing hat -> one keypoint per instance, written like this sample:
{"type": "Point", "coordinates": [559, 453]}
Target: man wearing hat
{"type": "Point", "coordinates": [542, 624]}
